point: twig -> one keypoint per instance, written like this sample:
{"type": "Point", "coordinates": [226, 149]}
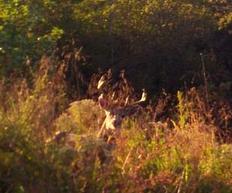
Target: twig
{"type": "Point", "coordinates": [101, 130]}
{"type": "Point", "coordinates": [205, 78]}
{"type": "Point", "coordinates": [126, 160]}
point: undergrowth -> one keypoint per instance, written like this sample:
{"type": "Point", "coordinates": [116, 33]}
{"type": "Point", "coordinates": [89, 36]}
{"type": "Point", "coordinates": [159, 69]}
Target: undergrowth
{"type": "Point", "coordinates": [182, 153]}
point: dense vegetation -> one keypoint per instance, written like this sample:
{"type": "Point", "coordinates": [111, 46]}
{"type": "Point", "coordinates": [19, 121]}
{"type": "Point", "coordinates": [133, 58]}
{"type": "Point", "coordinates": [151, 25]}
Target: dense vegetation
{"type": "Point", "coordinates": [53, 52]}
{"type": "Point", "coordinates": [157, 42]}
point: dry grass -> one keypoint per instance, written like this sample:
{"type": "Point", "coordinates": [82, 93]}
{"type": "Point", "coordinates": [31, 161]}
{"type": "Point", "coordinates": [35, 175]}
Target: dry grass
{"type": "Point", "coordinates": [179, 153]}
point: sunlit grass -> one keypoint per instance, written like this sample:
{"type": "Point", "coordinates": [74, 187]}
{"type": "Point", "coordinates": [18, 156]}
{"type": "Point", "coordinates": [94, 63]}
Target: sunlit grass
{"type": "Point", "coordinates": [181, 155]}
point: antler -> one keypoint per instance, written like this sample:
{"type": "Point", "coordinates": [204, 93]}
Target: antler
{"type": "Point", "coordinates": [104, 78]}
{"type": "Point", "coordinates": [101, 82]}
{"type": "Point", "coordinates": [143, 97]}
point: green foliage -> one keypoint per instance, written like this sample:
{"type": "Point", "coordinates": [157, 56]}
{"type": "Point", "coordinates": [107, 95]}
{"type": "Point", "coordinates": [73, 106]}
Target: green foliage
{"type": "Point", "coordinates": [30, 29]}
{"type": "Point", "coordinates": [144, 37]}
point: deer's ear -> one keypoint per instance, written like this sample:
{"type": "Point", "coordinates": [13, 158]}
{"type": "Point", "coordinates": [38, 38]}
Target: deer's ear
{"type": "Point", "coordinates": [103, 103]}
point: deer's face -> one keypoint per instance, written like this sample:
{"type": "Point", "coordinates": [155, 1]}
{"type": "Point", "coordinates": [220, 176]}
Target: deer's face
{"type": "Point", "coordinates": [113, 120]}
{"type": "Point", "coordinates": [114, 117]}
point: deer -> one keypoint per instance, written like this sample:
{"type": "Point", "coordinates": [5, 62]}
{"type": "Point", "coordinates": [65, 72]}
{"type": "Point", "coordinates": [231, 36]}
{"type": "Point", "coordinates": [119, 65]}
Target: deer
{"type": "Point", "coordinates": [114, 111]}
{"type": "Point", "coordinates": [116, 103]}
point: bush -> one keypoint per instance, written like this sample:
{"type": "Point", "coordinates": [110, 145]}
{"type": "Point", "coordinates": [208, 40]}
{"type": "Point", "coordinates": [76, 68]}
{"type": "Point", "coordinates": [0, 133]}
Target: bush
{"type": "Point", "coordinates": [180, 155]}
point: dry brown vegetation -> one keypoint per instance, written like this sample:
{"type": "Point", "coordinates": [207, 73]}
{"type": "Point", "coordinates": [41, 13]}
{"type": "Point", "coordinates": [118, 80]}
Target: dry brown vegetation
{"type": "Point", "coordinates": [50, 144]}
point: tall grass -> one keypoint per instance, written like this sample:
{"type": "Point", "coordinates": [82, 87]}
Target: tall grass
{"type": "Point", "coordinates": [180, 154]}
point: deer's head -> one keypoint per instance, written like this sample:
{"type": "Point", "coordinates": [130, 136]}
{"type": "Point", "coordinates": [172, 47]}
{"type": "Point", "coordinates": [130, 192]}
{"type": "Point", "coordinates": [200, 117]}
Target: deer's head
{"type": "Point", "coordinates": [114, 113]}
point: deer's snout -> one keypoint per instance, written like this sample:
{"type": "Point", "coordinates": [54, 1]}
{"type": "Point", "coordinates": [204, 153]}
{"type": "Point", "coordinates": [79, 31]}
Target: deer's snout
{"type": "Point", "coordinates": [113, 121]}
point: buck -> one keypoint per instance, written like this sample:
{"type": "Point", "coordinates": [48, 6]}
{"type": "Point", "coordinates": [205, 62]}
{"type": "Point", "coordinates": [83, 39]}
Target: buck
{"type": "Point", "coordinates": [114, 114]}
{"type": "Point", "coordinates": [114, 111]}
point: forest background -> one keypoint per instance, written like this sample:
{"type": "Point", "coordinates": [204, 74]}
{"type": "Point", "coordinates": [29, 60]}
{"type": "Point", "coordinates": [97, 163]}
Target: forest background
{"type": "Point", "coordinates": [158, 43]}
